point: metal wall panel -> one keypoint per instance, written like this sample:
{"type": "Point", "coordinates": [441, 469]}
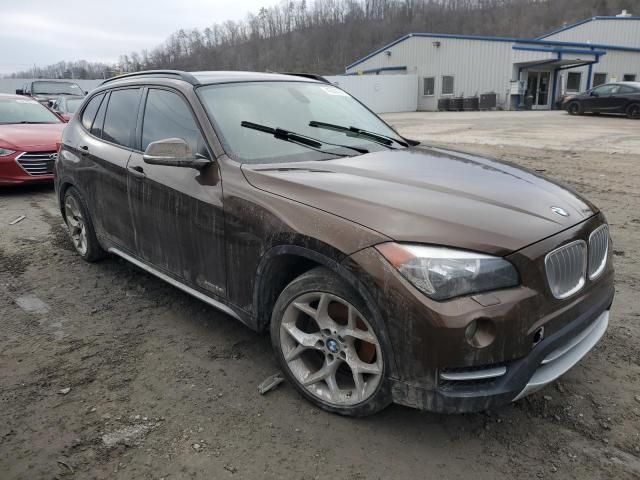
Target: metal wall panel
{"type": "Point", "coordinates": [381, 93]}
{"type": "Point", "coordinates": [478, 66]}
{"type": "Point", "coordinates": [619, 32]}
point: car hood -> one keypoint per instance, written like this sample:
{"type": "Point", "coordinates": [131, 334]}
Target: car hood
{"type": "Point", "coordinates": [431, 195]}
{"type": "Point", "coordinates": [31, 136]}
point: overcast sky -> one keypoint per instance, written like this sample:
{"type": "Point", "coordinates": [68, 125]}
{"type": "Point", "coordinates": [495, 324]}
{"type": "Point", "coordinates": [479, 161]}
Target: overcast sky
{"type": "Point", "coordinates": [47, 31]}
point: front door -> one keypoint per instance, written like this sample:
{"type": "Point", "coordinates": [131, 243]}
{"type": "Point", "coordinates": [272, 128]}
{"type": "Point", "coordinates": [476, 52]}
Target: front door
{"type": "Point", "coordinates": [177, 213]}
{"type": "Point", "coordinates": [538, 83]}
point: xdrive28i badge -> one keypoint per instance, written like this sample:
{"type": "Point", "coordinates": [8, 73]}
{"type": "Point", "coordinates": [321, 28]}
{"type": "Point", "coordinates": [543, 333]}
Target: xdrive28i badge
{"type": "Point", "coordinates": [560, 211]}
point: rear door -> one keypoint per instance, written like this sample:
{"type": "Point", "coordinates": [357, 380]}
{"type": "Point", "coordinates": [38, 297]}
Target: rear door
{"type": "Point", "coordinates": [177, 212]}
{"type": "Point", "coordinates": [108, 148]}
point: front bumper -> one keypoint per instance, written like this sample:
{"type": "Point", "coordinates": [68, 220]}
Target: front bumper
{"type": "Point", "coordinates": [484, 387]}
{"type": "Point", "coordinates": [11, 173]}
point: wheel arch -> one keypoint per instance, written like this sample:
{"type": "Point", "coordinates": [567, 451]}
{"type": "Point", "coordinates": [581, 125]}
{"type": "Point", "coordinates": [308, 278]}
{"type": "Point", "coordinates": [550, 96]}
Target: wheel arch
{"type": "Point", "coordinates": [273, 276]}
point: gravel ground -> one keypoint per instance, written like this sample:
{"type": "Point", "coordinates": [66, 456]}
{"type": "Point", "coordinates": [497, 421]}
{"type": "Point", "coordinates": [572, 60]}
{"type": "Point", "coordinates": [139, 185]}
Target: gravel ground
{"type": "Point", "coordinates": [107, 372]}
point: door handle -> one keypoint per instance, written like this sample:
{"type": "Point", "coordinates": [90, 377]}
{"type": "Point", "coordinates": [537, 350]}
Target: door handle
{"type": "Point", "coordinates": [137, 171]}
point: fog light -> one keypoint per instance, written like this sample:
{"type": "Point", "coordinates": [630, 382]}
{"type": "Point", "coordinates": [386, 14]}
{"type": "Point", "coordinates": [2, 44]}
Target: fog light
{"type": "Point", "coordinates": [480, 333]}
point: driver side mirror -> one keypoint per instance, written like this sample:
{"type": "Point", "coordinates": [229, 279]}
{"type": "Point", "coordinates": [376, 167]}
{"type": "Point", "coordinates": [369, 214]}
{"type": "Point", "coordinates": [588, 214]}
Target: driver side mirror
{"type": "Point", "coordinates": [19, 91]}
{"type": "Point", "coordinates": [593, 94]}
{"type": "Point", "coordinates": [174, 152]}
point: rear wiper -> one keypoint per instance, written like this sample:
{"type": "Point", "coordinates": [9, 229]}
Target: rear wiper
{"type": "Point", "coordinates": [358, 132]}
{"type": "Point", "coordinates": [299, 139]}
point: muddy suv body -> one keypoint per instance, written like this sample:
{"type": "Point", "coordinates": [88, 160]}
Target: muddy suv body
{"type": "Point", "coordinates": [383, 270]}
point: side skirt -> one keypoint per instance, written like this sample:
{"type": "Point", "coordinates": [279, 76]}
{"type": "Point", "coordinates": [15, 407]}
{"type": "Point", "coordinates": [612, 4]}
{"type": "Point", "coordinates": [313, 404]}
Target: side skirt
{"type": "Point", "coordinates": [200, 296]}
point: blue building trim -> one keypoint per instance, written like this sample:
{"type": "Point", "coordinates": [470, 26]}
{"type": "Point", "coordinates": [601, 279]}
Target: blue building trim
{"type": "Point", "coordinates": [589, 76]}
{"type": "Point", "coordinates": [381, 69]}
{"type": "Point", "coordinates": [560, 50]}
{"type": "Point", "coordinates": [582, 22]}
{"type": "Point", "coordinates": [522, 41]}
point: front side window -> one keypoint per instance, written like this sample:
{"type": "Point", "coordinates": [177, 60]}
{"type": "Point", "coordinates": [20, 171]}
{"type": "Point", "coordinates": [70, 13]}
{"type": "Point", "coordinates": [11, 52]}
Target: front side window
{"type": "Point", "coordinates": [606, 89]}
{"type": "Point", "coordinates": [166, 115]}
{"type": "Point", "coordinates": [429, 86]}
{"type": "Point", "coordinates": [24, 110]}
{"type": "Point", "coordinates": [290, 106]}
{"type": "Point", "coordinates": [56, 88]}
{"type": "Point", "coordinates": [120, 119]}
{"type": "Point", "coordinates": [447, 85]}
{"type": "Point", "coordinates": [573, 81]}
{"type": "Point", "coordinates": [599, 79]}
{"type": "Point", "coordinates": [90, 111]}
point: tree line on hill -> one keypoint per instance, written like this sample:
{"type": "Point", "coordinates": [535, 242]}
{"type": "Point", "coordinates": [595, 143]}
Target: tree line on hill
{"type": "Point", "coordinates": [323, 36]}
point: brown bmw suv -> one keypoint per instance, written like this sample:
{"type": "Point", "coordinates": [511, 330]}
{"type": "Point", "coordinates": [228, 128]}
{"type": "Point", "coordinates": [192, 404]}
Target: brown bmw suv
{"type": "Point", "coordinates": [385, 272]}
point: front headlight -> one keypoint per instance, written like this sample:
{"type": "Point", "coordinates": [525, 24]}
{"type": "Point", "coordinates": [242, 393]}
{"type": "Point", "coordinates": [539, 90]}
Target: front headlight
{"type": "Point", "coordinates": [442, 273]}
{"type": "Point", "coordinates": [5, 151]}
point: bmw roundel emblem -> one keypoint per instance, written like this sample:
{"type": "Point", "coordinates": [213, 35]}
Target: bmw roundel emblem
{"type": "Point", "coordinates": [560, 211]}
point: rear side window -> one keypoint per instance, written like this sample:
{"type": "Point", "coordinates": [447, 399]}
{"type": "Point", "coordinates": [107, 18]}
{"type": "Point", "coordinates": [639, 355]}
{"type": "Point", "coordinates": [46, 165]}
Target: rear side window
{"type": "Point", "coordinates": [90, 110]}
{"type": "Point", "coordinates": [120, 119]}
{"type": "Point", "coordinates": [98, 123]}
{"type": "Point", "coordinates": [167, 115]}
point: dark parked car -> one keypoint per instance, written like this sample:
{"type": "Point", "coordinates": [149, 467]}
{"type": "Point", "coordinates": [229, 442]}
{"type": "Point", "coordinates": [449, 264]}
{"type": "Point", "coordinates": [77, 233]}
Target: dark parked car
{"type": "Point", "coordinates": [620, 97]}
{"type": "Point", "coordinates": [384, 272]}
{"type": "Point", "coordinates": [45, 91]}
{"type": "Point", "coordinates": [66, 106]}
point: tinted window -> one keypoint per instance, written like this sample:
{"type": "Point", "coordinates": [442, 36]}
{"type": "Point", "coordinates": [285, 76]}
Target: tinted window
{"type": "Point", "coordinates": [166, 115]}
{"type": "Point", "coordinates": [606, 89]}
{"type": "Point", "coordinates": [625, 89]}
{"type": "Point", "coordinates": [429, 86]}
{"type": "Point", "coordinates": [98, 123]}
{"type": "Point", "coordinates": [90, 111]}
{"type": "Point", "coordinates": [120, 120]}
{"type": "Point", "coordinates": [599, 79]}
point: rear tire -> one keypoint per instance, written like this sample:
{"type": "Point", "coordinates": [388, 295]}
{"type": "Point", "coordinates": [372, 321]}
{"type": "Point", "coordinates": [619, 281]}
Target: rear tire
{"type": "Point", "coordinates": [80, 226]}
{"type": "Point", "coordinates": [329, 346]}
{"type": "Point", "coordinates": [575, 108]}
{"type": "Point", "coordinates": [633, 111]}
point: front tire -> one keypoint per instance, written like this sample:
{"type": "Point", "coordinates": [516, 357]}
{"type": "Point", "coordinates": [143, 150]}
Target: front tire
{"type": "Point", "coordinates": [328, 345]}
{"type": "Point", "coordinates": [80, 226]}
{"type": "Point", "coordinates": [633, 111]}
{"type": "Point", "coordinates": [575, 108]}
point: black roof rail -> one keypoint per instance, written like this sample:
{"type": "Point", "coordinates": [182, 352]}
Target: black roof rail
{"type": "Point", "coordinates": [312, 76]}
{"type": "Point", "coordinates": [187, 77]}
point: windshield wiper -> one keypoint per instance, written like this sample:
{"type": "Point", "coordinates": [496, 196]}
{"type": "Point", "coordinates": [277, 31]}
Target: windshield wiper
{"type": "Point", "coordinates": [358, 132]}
{"type": "Point", "coordinates": [299, 139]}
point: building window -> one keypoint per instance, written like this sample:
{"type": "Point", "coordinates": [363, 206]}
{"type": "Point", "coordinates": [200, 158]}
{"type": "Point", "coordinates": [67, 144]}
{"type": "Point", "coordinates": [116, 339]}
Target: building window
{"type": "Point", "coordinates": [599, 79]}
{"type": "Point", "coordinates": [574, 79]}
{"type": "Point", "coordinates": [629, 77]}
{"type": "Point", "coordinates": [429, 86]}
{"type": "Point", "coordinates": [447, 85]}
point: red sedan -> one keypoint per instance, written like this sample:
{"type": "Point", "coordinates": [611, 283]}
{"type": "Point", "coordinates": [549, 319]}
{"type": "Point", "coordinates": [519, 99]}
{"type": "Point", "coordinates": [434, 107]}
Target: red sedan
{"type": "Point", "coordinates": [29, 134]}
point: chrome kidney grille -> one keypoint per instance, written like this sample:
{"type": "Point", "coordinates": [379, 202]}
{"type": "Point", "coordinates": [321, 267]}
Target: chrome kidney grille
{"type": "Point", "coordinates": [37, 163]}
{"type": "Point", "coordinates": [566, 268]}
{"type": "Point", "coordinates": [598, 249]}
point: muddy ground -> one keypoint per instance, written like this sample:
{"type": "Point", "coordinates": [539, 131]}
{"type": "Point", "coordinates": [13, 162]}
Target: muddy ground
{"type": "Point", "coordinates": [107, 372]}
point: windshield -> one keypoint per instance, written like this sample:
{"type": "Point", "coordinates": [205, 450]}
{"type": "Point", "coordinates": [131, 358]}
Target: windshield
{"type": "Point", "coordinates": [73, 104]}
{"type": "Point", "coordinates": [56, 88]}
{"type": "Point", "coordinates": [25, 110]}
{"type": "Point", "coordinates": [289, 106]}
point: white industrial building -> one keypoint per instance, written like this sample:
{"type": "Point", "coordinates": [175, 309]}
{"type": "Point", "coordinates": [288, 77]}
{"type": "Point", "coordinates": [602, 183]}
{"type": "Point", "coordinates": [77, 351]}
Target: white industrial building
{"type": "Point", "coordinates": [521, 72]}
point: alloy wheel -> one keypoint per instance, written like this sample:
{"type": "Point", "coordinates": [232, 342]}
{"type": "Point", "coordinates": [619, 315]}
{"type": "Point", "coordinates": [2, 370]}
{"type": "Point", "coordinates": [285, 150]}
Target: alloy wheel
{"type": "Point", "coordinates": [76, 224]}
{"type": "Point", "coordinates": [331, 349]}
